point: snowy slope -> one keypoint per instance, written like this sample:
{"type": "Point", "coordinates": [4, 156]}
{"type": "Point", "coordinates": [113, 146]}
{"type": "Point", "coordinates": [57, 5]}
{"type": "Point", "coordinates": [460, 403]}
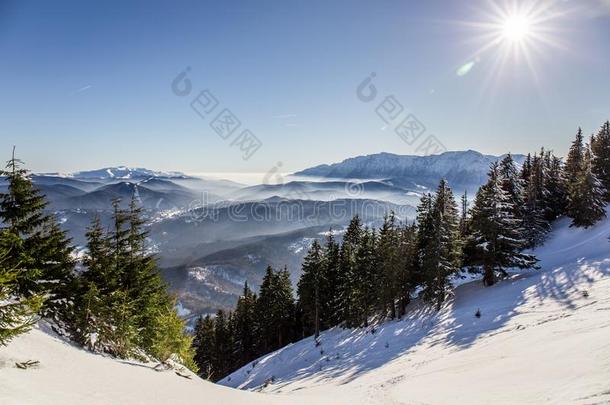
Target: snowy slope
{"type": "Point", "coordinates": [540, 339]}
{"type": "Point", "coordinates": [68, 375]}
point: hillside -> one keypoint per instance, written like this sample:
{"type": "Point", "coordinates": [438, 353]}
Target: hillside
{"type": "Point", "coordinates": [69, 375]}
{"type": "Point", "coordinates": [543, 337]}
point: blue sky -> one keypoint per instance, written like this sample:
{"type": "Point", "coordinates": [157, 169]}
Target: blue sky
{"type": "Point", "coordinates": [86, 85]}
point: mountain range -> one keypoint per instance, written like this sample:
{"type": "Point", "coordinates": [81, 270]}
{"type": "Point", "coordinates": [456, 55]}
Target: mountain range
{"type": "Point", "coordinates": [211, 235]}
{"type": "Point", "coordinates": [463, 169]}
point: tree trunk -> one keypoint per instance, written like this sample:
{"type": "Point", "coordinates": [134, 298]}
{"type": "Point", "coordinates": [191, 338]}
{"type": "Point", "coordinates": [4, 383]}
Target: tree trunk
{"type": "Point", "coordinates": [392, 310]}
{"type": "Point", "coordinates": [489, 277]}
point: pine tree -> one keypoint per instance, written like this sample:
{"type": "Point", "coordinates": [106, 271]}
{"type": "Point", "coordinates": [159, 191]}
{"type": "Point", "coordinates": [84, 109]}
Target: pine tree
{"type": "Point", "coordinates": [92, 323]}
{"type": "Point", "coordinates": [285, 307]}
{"type": "Point", "coordinates": [426, 260]}
{"type": "Point", "coordinates": [143, 283]}
{"type": "Point", "coordinates": [535, 208]}
{"type": "Point", "coordinates": [123, 332]}
{"type": "Point", "coordinates": [311, 286]}
{"type": "Point", "coordinates": [586, 196]}
{"type": "Point", "coordinates": [388, 265]}
{"type": "Point", "coordinates": [425, 231]}
{"type": "Point", "coordinates": [600, 149]}
{"type": "Point", "coordinates": [574, 162]}
{"type": "Point", "coordinates": [204, 345]}
{"type": "Point", "coordinates": [17, 314]}
{"type": "Point", "coordinates": [364, 279]}
{"type": "Point", "coordinates": [54, 255]}
{"type": "Point", "coordinates": [407, 253]}
{"type": "Point", "coordinates": [223, 342]}
{"type": "Point", "coordinates": [43, 260]}
{"type": "Point", "coordinates": [556, 188]}
{"type": "Point", "coordinates": [464, 215]}
{"type": "Point", "coordinates": [275, 311]}
{"type": "Point", "coordinates": [123, 304]}
{"type": "Point", "coordinates": [347, 266]}
{"type": "Point", "coordinates": [526, 168]}
{"type": "Point", "coordinates": [264, 315]}
{"type": "Point", "coordinates": [331, 302]}
{"type": "Point", "coordinates": [496, 232]}
{"type": "Point", "coordinates": [586, 203]}
{"type": "Point", "coordinates": [443, 251]}
{"type": "Point", "coordinates": [169, 340]}
{"type": "Point", "coordinates": [244, 332]}
{"type": "Point", "coordinates": [512, 184]}
{"type": "Point", "coordinates": [98, 260]}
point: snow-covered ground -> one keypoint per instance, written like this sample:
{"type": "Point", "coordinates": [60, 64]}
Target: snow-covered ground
{"type": "Point", "coordinates": [543, 337]}
{"type": "Point", "coordinates": [69, 375]}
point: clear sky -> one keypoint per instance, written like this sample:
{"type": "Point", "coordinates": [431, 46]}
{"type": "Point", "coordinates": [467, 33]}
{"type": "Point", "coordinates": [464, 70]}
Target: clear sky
{"type": "Point", "coordinates": [86, 85]}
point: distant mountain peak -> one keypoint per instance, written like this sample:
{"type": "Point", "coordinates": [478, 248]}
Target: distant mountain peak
{"type": "Point", "coordinates": [464, 168]}
{"type": "Point", "coordinates": [125, 173]}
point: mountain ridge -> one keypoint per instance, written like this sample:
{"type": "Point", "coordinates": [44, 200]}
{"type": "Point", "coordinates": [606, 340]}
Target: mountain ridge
{"type": "Point", "coordinates": [463, 169]}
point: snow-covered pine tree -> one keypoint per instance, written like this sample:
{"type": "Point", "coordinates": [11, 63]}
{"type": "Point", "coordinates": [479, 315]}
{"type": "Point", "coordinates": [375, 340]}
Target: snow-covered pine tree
{"type": "Point", "coordinates": [425, 231]}
{"type": "Point", "coordinates": [574, 161]}
{"type": "Point", "coordinates": [555, 186]}
{"type": "Point", "coordinates": [586, 203]}
{"type": "Point", "coordinates": [496, 233]}
{"type": "Point", "coordinates": [600, 149]}
{"type": "Point", "coordinates": [512, 183]}
{"type": "Point", "coordinates": [444, 248]}
{"type": "Point", "coordinates": [464, 215]}
{"type": "Point", "coordinates": [586, 195]}
{"type": "Point", "coordinates": [534, 224]}
{"type": "Point", "coordinates": [526, 168]}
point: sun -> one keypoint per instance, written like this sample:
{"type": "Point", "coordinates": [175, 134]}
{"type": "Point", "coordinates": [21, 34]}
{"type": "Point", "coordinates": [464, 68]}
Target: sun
{"type": "Point", "coordinates": [517, 28]}
{"type": "Point", "coordinates": [509, 38]}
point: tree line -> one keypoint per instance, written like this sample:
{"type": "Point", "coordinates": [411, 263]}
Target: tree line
{"type": "Point", "coordinates": [116, 304]}
{"type": "Point", "coordinates": [377, 272]}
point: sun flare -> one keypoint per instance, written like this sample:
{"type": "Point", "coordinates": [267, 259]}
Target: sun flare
{"type": "Point", "coordinates": [516, 28]}
{"type": "Point", "coordinates": [511, 37]}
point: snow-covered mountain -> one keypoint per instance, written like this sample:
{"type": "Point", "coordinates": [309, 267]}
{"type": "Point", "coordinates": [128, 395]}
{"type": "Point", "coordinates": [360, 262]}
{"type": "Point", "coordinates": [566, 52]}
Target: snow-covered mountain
{"type": "Point", "coordinates": [542, 337]}
{"type": "Point", "coordinates": [463, 169]}
{"type": "Point", "coordinates": [123, 173]}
